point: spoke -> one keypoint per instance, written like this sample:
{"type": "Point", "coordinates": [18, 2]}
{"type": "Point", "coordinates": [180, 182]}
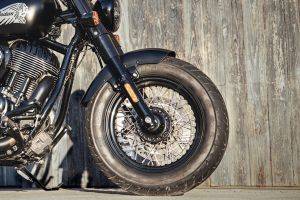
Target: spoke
{"type": "Point", "coordinates": [182, 106]}
{"type": "Point", "coordinates": [182, 148]}
{"type": "Point", "coordinates": [167, 151]}
{"type": "Point", "coordinates": [152, 97]}
{"type": "Point", "coordinates": [127, 128]}
{"type": "Point", "coordinates": [181, 120]}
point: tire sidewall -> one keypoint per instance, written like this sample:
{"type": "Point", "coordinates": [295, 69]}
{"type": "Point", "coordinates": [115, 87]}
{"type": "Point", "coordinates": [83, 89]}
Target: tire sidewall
{"type": "Point", "coordinates": [98, 131]}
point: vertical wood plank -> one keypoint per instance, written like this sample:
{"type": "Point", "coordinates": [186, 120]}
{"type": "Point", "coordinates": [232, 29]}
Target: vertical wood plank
{"type": "Point", "coordinates": [294, 82]}
{"type": "Point", "coordinates": [256, 110]}
{"type": "Point", "coordinates": [236, 98]}
{"type": "Point", "coordinates": [279, 92]}
{"type": "Point", "coordinates": [249, 48]}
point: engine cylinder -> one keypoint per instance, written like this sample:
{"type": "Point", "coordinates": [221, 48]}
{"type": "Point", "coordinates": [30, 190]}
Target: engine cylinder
{"type": "Point", "coordinates": [28, 66]}
{"type": "Point", "coordinates": [30, 72]}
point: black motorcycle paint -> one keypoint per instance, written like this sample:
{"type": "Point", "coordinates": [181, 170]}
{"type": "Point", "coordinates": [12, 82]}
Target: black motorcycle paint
{"type": "Point", "coordinates": [106, 10]}
{"type": "Point", "coordinates": [5, 57]}
{"type": "Point", "coordinates": [130, 60]}
{"type": "Point", "coordinates": [38, 16]}
{"type": "Point", "coordinates": [105, 45]}
{"type": "Point", "coordinates": [119, 72]}
{"type": "Point", "coordinates": [111, 55]}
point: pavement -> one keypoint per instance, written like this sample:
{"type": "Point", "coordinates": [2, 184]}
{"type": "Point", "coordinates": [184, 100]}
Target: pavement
{"type": "Point", "coordinates": [116, 194]}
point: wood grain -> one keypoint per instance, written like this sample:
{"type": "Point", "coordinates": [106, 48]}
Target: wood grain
{"type": "Point", "coordinates": [249, 48]}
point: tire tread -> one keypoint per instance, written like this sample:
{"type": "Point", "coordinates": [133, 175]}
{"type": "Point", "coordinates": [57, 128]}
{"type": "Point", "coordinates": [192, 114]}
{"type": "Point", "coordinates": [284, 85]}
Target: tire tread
{"type": "Point", "coordinates": [208, 166]}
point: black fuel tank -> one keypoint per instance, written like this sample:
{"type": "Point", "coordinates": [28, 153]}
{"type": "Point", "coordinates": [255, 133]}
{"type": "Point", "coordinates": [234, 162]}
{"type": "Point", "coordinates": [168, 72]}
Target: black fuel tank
{"type": "Point", "coordinates": [26, 18]}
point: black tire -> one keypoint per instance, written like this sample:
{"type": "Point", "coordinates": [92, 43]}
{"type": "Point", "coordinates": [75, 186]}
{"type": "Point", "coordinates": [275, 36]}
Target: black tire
{"type": "Point", "coordinates": [174, 181]}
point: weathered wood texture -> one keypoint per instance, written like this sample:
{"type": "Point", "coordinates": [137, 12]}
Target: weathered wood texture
{"type": "Point", "coordinates": [250, 49]}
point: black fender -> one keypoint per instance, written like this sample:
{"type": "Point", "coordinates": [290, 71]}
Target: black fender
{"type": "Point", "coordinates": [130, 60]}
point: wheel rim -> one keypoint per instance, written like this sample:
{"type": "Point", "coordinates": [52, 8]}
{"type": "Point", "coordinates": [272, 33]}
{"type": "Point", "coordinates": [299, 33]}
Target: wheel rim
{"type": "Point", "coordinates": [185, 133]}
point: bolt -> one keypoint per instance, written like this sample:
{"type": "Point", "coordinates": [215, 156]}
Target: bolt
{"type": "Point", "coordinates": [135, 75]}
{"type": "Point", "coordinates": [148, 120]}
{"type": "Point", "coordinates": [15, 148]}
{"type": "Point", "coordinates": [8, 152]}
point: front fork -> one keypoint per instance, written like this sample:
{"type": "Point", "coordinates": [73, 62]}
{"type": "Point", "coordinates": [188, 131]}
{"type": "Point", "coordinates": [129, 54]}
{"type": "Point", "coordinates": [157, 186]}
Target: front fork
{"type": "Point", "coordinates": [111, 54]}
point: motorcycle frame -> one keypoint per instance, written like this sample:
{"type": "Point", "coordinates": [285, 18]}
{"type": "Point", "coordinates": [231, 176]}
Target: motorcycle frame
{"type": "Point", "coordinates": [109, 51]}
{"type": "Point", "coordinates": [120, 71]}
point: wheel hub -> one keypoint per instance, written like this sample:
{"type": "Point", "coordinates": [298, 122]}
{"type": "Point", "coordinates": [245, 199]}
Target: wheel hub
{"type": "Point", "coordinates": [161, 131]}
{"type": "Point", "coordinates": [165, 144]}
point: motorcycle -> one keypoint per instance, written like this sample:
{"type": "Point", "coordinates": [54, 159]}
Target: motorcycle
{"type": "Point", "coordinates": [156, 125]}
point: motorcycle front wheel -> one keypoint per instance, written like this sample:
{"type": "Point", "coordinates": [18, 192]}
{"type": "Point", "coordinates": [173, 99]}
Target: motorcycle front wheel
{"type": "Point", "coordinates": [178, 158]}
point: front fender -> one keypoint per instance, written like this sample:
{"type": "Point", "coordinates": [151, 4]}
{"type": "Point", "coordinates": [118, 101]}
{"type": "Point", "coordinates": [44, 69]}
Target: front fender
{"type": "Point", "coordinates": [130, 59]}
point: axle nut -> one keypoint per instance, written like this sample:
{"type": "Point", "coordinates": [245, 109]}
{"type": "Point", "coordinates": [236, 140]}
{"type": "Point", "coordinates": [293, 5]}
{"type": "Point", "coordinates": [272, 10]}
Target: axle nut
{"type": "Point", "coordinates": [148, 120]}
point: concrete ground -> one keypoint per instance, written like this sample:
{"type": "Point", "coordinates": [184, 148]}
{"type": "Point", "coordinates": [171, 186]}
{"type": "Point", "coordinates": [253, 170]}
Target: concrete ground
{"type": "Point", "coordinates": [115, 194]}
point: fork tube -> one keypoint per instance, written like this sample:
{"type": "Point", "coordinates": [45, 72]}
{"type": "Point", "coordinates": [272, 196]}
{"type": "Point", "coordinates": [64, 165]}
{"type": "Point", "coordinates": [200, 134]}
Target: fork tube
{"type": "Point", "coordinates": [111, 55]}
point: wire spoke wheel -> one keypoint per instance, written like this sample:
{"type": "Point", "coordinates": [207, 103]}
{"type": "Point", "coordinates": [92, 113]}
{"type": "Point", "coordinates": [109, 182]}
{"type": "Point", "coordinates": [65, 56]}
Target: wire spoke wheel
{"type": "Point", "coordinates": [181, 152]}
{"type": "Point", "coordinates": [177, 141]}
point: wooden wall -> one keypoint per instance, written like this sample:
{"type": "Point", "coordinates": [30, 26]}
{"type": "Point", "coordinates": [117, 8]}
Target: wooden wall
{"type": "Point", "coordinates": [250, 49]}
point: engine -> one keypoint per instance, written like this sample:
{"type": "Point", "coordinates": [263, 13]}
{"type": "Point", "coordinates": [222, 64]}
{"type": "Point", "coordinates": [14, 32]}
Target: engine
{"type": "Point", "coordinates": [28, 73]}
{"type": "Point", "coordinates": [27, 67]}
